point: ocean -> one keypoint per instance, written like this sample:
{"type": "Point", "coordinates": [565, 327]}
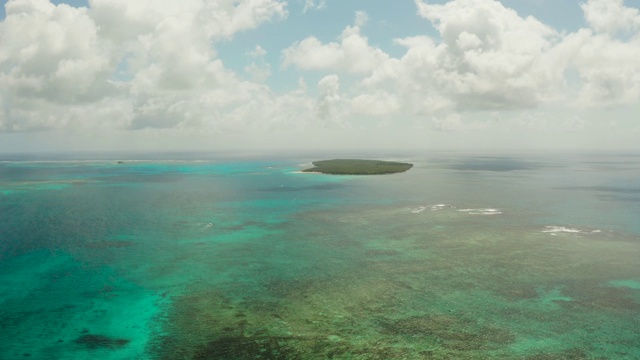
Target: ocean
{"type": "Point", "coordinates": [463, 257]}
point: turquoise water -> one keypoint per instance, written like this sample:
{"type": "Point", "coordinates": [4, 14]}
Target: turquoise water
{"type": "Point", "coordinates": [459, 258]}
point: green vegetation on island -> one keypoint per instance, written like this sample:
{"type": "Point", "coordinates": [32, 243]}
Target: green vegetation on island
{"type": "Point", "coordinates": [358, 167]}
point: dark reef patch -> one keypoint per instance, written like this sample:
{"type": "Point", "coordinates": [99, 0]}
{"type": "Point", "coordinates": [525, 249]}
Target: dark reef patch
{"type": "Point", "coordinates": [570, 354]}
{"type": "Point", "coordinates": [241, 348]}
{"type": "Point", "coordinates": [497, 164]}
{"type": "Point", "coordinates": [93, 341]}
{"type": "Point", "coordinates": [451, 332]}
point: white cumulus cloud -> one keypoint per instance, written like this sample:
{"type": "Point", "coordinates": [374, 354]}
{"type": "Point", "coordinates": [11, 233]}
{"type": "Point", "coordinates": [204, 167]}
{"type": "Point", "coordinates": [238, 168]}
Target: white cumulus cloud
{"type": "Point", "coordinates": [328, 88]}
{"type": "Point", "coordinates": [153, 65]}
{"type": "Point", "coordinates": [611, 16]}
{"type": "Point", "coordinates": [489, 57]}
{"type": "Point", "coordinates": [51, 52]}
{"type": "Point", "coordinates": [352, 54]}
{"type": "Point", "coordinates": [608, 68]}
{"type": "Point", "coordinates": [153, 60]}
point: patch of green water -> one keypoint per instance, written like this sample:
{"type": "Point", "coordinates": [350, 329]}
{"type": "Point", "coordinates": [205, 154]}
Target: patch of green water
{"type": "Point", "coordinates": [631, 284]}
{"type": "Point", "coordinates": [54, 307]}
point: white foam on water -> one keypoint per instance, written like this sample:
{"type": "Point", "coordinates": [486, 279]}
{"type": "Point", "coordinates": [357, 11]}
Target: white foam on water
{"type": "Point", "coordinates": [555, 230]}
{"type": "Point", "coordinates": [436, 207]}
{"type": "Point", "coordinates": [481, 211]}
{"type": "Point", "coordinates": [418, 210]}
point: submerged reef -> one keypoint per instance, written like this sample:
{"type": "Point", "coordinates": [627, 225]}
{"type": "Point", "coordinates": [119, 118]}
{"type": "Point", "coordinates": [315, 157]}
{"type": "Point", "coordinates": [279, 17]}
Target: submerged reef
{"type": "Point", "coordinates": [398, 292]}
{"type": "Point", "coordinates": [358, 167]}
{"type": "Point", "coordinates": [93, 341]}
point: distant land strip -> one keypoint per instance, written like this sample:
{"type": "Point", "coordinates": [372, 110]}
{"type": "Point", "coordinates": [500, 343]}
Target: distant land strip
{"type": "Point", "coordinates": [358, 167]}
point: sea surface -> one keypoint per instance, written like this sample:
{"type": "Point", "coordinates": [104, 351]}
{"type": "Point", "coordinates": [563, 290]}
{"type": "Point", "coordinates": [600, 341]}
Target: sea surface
{"type": "Point", "coordinates": [463, 257]}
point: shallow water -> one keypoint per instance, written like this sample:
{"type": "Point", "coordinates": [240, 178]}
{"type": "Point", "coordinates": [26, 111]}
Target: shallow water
{"type": "Point", "coordinates": [459, 258]}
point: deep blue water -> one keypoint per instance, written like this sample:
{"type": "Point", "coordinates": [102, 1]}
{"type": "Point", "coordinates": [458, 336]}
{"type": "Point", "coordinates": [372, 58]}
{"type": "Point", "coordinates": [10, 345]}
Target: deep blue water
{"type": "Point", "coordinates": [462, 257]}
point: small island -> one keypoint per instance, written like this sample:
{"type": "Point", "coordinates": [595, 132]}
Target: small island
{"type": "Point", "coordinates": [358, 167]}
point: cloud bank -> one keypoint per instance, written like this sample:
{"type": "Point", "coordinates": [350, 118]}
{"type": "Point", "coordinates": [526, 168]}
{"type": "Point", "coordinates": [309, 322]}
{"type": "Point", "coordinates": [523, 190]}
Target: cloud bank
{"type": "Point", "coordinates": [134, 65]}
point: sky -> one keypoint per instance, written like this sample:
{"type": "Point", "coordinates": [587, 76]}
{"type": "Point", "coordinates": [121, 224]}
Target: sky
{"type": "Point", "coordinates": [217, 75]}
